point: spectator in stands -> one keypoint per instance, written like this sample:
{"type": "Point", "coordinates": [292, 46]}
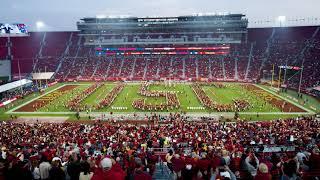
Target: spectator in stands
{"type": "Point", "coordinates": [199, 147]}
{"type": "Point", "coordinates": [141, 174]}
{"type": "Point", "coordinates": [44, 168]}
{"type": "Point", "coordinates": [315, 159]}
{"type": "Point", "coordinates": [56, 172]}
{"type": "Point", "coordinates": [177, 165]}
{"type": "Point", "coordinates": [252, 163]}
{"type": "Point", "coordinates": [290, 169]}
{"type": "Point", "coordinates": [263, 173]}
{"type": "Point", "coordinates": [73, 167]}
{"type": "Point", "coordinates": [85, 173]}
{"type": "Point", "coordinates": [108, 170]}
{"type": "Point", "coordinates": [223, 172]}
{"type": "Point", "coordinates": [169, 157]}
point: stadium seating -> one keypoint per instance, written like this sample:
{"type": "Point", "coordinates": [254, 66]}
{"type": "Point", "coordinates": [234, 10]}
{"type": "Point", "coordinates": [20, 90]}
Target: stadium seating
{"type": "Point", "coordinates": [63, 52]}
{"type": "Point", "coordinates": [198, 128]}
{"type": "Point", "coordinates": [191, 149]}
{"type": "Point", "coordinates": [103, 67]}
{"type": "Point", "coordinates": [140, 65]}
{"type": "Point", "coordinates": [3, 48]}
{"type": "Point", "coordinates": [153, 67]}
{"type": "Point", "coordinates": [191, 67]}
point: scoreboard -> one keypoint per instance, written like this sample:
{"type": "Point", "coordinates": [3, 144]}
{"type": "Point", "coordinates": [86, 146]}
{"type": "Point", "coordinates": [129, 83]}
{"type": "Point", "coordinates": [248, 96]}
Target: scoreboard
{"type": "Point", "coordinates": [12, 30]}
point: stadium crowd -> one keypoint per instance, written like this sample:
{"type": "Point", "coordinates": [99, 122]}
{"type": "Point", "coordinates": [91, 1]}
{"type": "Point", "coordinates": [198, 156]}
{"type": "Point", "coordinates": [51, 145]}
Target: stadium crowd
{"type": "Point", "coordinates": [16, 93]}
{"type": "Point", "coordinates": [286, 149]}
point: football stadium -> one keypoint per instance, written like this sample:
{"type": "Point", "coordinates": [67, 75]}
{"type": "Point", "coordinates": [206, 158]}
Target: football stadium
{"type": "Point", "coordinates": [198, 96]}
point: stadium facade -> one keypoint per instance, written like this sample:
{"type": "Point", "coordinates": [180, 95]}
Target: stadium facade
{"type": "Point", "coordinates": [214, 29]}
{"type": "Point", "coordinates": [185, 48]}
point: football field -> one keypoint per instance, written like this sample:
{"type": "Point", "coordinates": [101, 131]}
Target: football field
{"type": "Point", "coordinates": [258, 101]}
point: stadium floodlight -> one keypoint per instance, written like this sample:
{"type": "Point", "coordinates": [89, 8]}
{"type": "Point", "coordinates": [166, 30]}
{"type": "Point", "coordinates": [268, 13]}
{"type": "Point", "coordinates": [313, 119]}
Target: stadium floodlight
{"type": "Point", "coordinates": [281, 20]}
{"type": "Point", "coordinates": [40, 24]}
{"type": "Point", "coordinates": [101, 16]}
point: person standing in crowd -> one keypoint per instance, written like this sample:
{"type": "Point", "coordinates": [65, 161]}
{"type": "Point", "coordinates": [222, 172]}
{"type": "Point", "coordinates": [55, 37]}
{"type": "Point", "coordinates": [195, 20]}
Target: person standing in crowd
{"type": "Point", "coordinates": [73, 167]}
{"type": "Point", "coordinates": [85, 173]}
{"type": "Point", "coordinates": [290, 169]}
{"type": "Point", "coordinates": [168, 157]}
{"type": "Point", "coordinates": [140, 174]}
{"type": "Point", "coordinates": [108, 169]}
{"type": "Point", "coordinates": [252, 164]}
{"type": "Point", "coordinates": [223, 172]}
{"type": "Point", "coordinates": [44, 168]}
{"type": "Point", "coordinates": [56, 172]}
{"type": "Point", "coordinates": [263, 173]}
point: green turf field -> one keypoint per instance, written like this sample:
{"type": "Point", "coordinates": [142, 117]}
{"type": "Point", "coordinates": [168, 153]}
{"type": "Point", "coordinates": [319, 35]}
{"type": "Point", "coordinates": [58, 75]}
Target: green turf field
{"type": "Point", "coordinates": [233, 91]}
{"type": "Point", "coordinates": [306, 100]}
{"type": "Point", "coordinates": [259, 109]}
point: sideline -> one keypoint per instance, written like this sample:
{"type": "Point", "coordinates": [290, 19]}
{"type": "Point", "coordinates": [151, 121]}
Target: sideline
{"type": "Point", "coordinates": [195, 114]}
{"type": "Point", "coordinates": [21, 105]}
{"type": "Point", "coordinates": [286, 99]}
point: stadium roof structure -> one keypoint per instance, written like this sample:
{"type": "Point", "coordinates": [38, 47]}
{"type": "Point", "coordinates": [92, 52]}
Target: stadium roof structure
{"type": "Point", "coordinates": [42, 76]}
{"type": "Point", "coordinates": [164, 17]}
{"type": "Point", "coordinates": [13, 85]}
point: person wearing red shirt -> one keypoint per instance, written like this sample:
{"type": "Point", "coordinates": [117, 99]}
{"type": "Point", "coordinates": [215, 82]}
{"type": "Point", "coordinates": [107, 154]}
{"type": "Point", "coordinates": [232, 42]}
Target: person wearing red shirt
{"type": "Point", "coordinates": [203, 165]}
{"type": "Point", "coordinates": [108, 170]}
{"type": "Point", "coordinates": [178, 164]}
{"type": "Point", "coordinates": [315, 159]}
{"type": "Point", "coordinates": [139, 174]}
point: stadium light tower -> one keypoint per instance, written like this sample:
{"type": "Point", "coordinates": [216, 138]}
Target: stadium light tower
{"type": "Point", "coordinates": [40, 25]}
{"type": "Point", "coordinates": [281, 20]}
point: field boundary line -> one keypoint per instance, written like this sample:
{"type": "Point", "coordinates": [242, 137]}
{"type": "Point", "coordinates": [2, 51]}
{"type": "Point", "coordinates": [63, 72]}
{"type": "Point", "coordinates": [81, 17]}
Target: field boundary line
{"type": "Point", "coordinates": [286, 99]}
{"type": "Point", "coordinates": [21, 105]}
{"type": "Point", "coordinates": [166, 113]}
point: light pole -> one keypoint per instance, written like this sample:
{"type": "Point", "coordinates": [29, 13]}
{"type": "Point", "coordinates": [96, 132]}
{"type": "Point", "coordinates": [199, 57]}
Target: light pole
{"type": "Point", "coordinates": [40, 25]}
{"type": "Point", "coordinates": [281, 20]}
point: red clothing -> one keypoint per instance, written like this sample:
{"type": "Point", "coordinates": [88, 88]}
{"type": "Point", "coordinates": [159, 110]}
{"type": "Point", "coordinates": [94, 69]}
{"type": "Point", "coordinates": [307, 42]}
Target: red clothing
{"type": "Point", "coordinates": [115, 173]}
{"type": "Point", "coordinates": [178, 164]}
{"type": "Point", "coordinates": [215, 162]}
{"type": "Point", "coordinates": [315, 161]}
{"type": "Point", "coordinates": [236, 163]}
{"type": "Point", "coordinates": [263, 176]}
{"type": "Point", "coordinates": [189, 160]}
{"type": "Point", "coordinates": [203, 164]}
{"type": "Point", "coordinates": [140, 175]}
